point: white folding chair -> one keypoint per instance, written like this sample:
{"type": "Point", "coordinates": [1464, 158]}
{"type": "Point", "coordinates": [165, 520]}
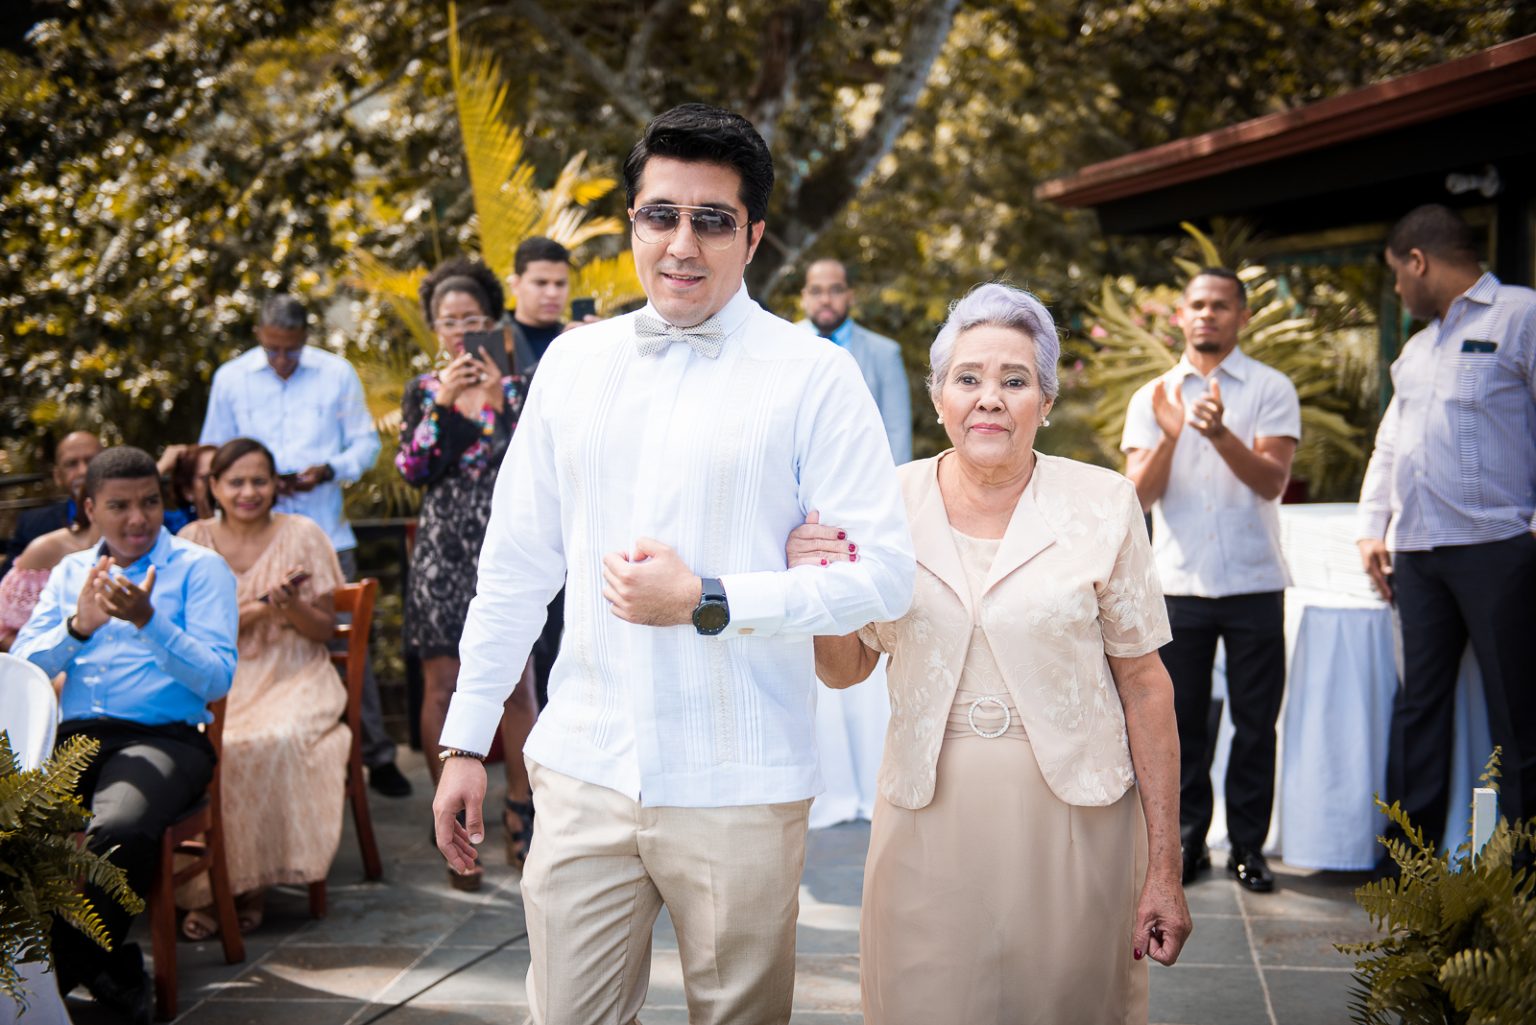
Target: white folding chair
{"type": "Point", "coordinates": [29, 713]}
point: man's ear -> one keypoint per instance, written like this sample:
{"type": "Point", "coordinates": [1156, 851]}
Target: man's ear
{"type": "Point", "coordinates": [1418, 262]}
{"type": "Point", "coordinates": [89, 505]}
{"type": "Point", "coordinates": [755, 240]}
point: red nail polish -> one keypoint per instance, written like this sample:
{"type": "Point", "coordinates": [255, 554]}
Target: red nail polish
{"type": "Point", "coordinates": [842, 536]}
{"type": "Point", "coordinates": [853, 558]}
{"type": "Point", "coordinates": [823, 562]}
{"type": "Point", "coordinates": [1136, 953]}
{"type": "Point", "coordinates": [853, 548]}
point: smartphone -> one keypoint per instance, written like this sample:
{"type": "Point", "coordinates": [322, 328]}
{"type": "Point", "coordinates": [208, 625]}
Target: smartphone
{"type": "Point", "coordinates": [583, 308]}
{"type": "Point", "coordinates": [293, 581]}
{"type": "Point", "coordinates": [290, 479]}
{"type": "Point", "coordinates": [492, 342]}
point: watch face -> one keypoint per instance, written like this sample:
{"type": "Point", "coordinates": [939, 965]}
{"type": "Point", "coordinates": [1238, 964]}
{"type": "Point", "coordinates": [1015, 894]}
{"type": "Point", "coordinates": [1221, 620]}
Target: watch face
{"type": "Point", "coordinates": [710, 617]}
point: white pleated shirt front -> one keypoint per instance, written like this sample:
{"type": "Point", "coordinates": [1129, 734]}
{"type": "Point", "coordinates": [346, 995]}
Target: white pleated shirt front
{"type": "Point", "coordinates": [720, 459]}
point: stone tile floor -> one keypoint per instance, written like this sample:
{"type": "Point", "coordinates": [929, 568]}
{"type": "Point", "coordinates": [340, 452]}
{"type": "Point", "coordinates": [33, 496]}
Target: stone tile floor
{"type": "Point", "coordinates": [411, 950]}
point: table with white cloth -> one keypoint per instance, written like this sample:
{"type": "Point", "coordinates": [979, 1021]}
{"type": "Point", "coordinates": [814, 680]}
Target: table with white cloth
{"type": "Point", "coordinates": [1343, 655]}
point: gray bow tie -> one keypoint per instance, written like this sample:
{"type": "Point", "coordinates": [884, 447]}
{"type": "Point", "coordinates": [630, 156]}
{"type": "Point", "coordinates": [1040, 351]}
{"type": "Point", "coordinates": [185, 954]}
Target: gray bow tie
{"type": "Point", "coordinates": [653, 335]}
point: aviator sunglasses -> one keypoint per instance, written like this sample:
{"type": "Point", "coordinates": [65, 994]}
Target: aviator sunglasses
{"type": "Point", "coordinates": [657, 222]}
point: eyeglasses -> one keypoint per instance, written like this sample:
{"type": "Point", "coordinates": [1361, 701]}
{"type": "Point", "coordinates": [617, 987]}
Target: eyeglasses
{"type": "Point", "coordinates": [658, 222]}
{"type": "Point", "coordinates": [830, 292]}
{"type": "Point", "coordinates": [450, 324]}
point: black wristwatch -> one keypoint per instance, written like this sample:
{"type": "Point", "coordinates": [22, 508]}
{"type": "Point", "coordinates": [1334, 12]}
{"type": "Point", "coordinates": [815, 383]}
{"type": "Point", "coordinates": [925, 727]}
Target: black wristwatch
{"type": "Point", "coordinates": [330, 473]}
{"type": "Point", "coordinates": [712, 614]}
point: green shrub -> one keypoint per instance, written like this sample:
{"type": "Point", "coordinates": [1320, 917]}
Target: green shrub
{"type": "Point", "coordinates": [42, 865]}
{"type": "Point", "coordinates": [1460, 943]}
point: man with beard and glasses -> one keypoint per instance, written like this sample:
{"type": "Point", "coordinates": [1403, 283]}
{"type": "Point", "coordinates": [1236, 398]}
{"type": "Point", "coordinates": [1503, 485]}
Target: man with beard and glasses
{"type": "Point", "coordinates": [1209, 446]}
{"type": "Point", "coordinates": [660, 463]}
{"type": "Point", "coordinates": [827, 299]}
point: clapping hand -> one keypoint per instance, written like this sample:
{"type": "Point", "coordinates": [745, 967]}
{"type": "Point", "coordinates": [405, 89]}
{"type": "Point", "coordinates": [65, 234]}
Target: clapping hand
{"type": "Point", "coordinates": [89, 615]}
{"type": "Point", "coordinates": [1206, 416]}
{"type": "Point", "coordinates": [812, 544]}
{"type": "Point", "coordinates": [122, 599]}
{"type": "Point", "coordinates": [1168, 409]}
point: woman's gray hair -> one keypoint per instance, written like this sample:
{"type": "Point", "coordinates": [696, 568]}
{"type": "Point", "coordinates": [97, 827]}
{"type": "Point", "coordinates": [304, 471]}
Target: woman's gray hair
{"type": "Point", "coordinates": [997, 305]}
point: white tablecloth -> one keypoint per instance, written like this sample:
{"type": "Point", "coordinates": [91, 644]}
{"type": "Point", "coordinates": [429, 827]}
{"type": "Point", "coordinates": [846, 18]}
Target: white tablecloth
{"type": "Point", "coordinates": [1343, 658]}
{"type": "Point", "coordinates": [850, 734]}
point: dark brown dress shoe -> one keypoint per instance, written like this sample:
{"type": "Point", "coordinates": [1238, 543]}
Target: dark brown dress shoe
{"type": "Point", "coordinates": [1196, 860]}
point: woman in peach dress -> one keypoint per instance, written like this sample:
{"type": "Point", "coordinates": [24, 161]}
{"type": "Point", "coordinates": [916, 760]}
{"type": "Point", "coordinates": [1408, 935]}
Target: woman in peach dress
{"type": "Point", "coordinates": [283, 768]}
{"type": "Point", "coordinates": [1024, 855]}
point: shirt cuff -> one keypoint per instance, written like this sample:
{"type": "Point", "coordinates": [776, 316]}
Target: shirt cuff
{"type": "Point", "coordinates": [1372, 524]}
{"type": "Point", "coordinates": [159, 630]}
{"type": "Point", "coordinates": [471, 724]}
{"type": "Point", "coordinates": [757, 602]}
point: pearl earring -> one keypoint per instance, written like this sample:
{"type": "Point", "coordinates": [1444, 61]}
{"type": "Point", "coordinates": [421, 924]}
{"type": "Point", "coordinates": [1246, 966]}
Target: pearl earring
{"type": "Point", "coordinates": [940, 418]}
{"type": "Point", "coordinates": [1045, 421]}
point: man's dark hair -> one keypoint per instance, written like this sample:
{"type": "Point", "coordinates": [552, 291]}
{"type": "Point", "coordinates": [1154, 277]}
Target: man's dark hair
{"type": "Point", "coordinates": [699, 133]}
{"type": "Point", "coordinates": [284, 312]}
{"type": "Point", "coordinates": [538, 249]}
{"type": "Point", "coordinates": [121, 463]}
{"type": "Point", "coordinates": [848, 272]}
{"type": "Point", "coordinates": [1225, 274]}
{"type": "Point", "coordinates": [461, 274]}
{"type": "Point", "coordinates": [1435, 230]}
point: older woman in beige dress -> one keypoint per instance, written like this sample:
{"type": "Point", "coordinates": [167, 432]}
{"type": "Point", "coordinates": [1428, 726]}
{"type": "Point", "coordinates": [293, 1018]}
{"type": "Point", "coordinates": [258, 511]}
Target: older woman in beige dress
{"type": "Point", "coordinates": [1031, 763]}
{"type": "Point", "coordinates": [284, 764]}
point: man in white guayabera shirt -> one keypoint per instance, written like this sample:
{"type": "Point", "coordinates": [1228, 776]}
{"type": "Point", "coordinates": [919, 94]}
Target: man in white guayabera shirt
{"type": "Point", "coordinates": [661, 462]}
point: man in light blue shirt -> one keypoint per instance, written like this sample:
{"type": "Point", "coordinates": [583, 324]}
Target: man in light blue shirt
{"type": "Point", "coordinates": [827, 299]}
{"type": "Point", "coordinates": [1447, 528]}
{"type": "Point", "coordinates": [144, 629]}
{"type": "Point", "coordinates": [307, 406]}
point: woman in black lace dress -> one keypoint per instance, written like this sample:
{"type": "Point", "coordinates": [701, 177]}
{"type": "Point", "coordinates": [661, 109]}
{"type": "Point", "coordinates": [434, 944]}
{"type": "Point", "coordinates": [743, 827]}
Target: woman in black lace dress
{"type": "Point", "coordinates": [457, 422]}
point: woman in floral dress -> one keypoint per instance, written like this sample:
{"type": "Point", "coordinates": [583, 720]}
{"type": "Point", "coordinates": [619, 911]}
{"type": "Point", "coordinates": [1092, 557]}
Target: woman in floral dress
{"type": "Point", "coordinates": [457, 422]}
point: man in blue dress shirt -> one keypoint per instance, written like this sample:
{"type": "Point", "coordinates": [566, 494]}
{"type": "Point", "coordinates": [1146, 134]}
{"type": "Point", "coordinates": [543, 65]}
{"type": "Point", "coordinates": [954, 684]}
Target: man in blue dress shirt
{"type": "Point", "coordinates": [143, 628]}
{"type": "Point", "coordinates": [307, 406]}
{"type": "Point", "coordinates": [1447, 528]}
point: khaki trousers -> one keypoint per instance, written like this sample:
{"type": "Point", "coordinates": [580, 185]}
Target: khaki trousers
{"type": "Point", "coordinates": [599, 872]}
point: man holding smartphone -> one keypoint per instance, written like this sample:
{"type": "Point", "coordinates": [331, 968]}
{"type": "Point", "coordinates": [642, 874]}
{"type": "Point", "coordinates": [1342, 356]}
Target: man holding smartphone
{"type": "Point", "coordinates": [306, 405]}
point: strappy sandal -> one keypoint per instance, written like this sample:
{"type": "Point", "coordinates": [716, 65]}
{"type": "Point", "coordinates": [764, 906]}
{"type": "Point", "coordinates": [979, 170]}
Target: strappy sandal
{"type": "Point", "coordinates": [520, 840]}
{"type": "Point", "coordinates": [198, 925]}
{"type": "Point", "coordinates": [250, 910]}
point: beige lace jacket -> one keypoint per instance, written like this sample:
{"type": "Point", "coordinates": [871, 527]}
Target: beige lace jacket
{"type": "Point", "coordinates": [1073, 582]}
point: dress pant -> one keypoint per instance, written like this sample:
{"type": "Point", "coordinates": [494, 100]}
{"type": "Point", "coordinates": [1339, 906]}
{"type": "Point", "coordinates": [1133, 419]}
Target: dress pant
{"type": "Point", "coordinates": [1484, 593]}
{"type": "Point", "coordinates": [1252, 628]}
{"type": "Point", "coordinates": [602, 869]}
{"type": "Point", "coordinates": [378, 747]}
{"type": "Point", "coordinates": [142, 779]}
{"type": "Point", "coordinates": [547, 647]}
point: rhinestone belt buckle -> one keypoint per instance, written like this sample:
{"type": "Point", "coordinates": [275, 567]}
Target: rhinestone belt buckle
{"type": "Point", "coordinates": [992, 734]}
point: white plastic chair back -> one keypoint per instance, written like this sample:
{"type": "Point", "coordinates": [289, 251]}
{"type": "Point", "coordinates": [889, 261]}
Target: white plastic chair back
{"type": "Point", "coordinates": [29, 712]}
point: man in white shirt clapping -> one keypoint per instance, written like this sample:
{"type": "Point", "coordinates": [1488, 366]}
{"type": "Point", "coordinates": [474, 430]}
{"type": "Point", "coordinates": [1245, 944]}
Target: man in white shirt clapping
{"type": "Point", "coordinates": [660, 463]}
{"type": "Point", "coordinates": [1209, 445]}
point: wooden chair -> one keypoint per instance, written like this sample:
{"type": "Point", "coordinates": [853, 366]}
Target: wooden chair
{"type": "Point", "coordinates": [198, 835]}
{"type": "Point", "coordinates": [357, 601]}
